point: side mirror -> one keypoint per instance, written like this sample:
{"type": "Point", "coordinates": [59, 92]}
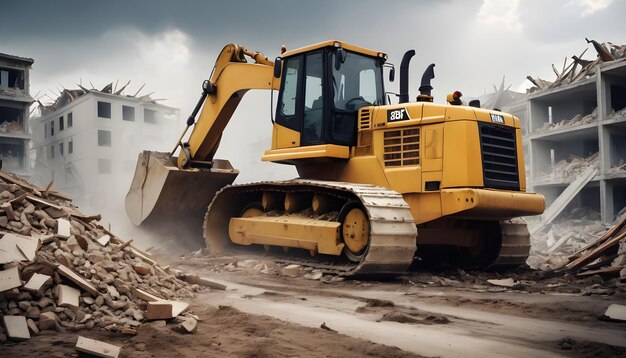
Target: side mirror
{"type": "Point", "coordinates": [392, 74]}
{"type": "Point", "coordinates": [340, 57]}
{"type": "Point", "coordinates": [277, 66]}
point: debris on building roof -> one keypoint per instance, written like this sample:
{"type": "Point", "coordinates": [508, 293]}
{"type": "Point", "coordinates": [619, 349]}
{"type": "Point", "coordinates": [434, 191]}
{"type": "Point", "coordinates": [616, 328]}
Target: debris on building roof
{"type": "Point", "coordinates": [68, 96]}
{"type": "Point", "coordinates": [579, 68]}
{"type": "Point", "coordinates": [501, 96]}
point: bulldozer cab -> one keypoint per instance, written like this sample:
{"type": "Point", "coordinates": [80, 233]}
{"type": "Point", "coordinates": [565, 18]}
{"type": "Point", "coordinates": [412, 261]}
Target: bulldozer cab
{"type": "Point", "coordinates": [321, 92]}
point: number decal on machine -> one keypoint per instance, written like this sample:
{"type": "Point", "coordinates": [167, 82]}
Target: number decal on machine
{"type": "Point", "coordinates": [394, 115]}
{"type": "Point", "coordinates": [496, 118]}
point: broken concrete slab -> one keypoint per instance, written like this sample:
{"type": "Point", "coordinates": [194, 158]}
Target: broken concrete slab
{"type": "Point", "coordinates": [36, 282]}
{"type": "Point", "coordinates": [616, 312]}
{"type": "Point", "coordinates": [77, 279]}
{"type": "Point", "coordinates": [9, 279]}
{"type": "Point", "coordinates": [165, 309]}
{"type": "Point", "coordinates": [28, 247]}
{"type": "Point", "coordinates": [104, 240]}
{"type": "Point", "coordinates": [291, 270]}
{"type": "Point", "coordinates": [97, 348]}
{"type": "Point", "coordinates": [189, 325]}
{"type": "Point", "coordinates": [63, 228]}
{"type": "Point", "coordinates": [16, 327]}
{"type": "Point", "coordinates": [9, 251]}
{"type": "Point", "coordinates": [507, 282]}
{"type": "Point", "coordinates": [67, 296]}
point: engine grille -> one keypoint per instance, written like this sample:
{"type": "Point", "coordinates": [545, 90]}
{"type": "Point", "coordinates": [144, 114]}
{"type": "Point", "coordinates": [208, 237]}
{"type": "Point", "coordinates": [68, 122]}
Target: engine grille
{"type": "Point", "coordinates": [365, 120]}
{"type": "Point", "coordinates": [402, 147]}
{"type": "Point", "coordinates": [499, 154]}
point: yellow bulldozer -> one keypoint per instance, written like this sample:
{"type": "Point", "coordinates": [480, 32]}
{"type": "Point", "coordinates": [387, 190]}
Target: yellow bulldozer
{"type": "Point", "coordinates": [380, 185]}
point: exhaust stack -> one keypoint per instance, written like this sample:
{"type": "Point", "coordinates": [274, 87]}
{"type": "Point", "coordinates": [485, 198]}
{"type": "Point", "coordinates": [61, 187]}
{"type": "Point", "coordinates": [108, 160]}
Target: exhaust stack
{"type": "Point", "coordinates": [404, 76]}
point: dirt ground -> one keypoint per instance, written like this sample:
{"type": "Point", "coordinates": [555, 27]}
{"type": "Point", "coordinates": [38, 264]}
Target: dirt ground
{"type": "Point", "coordinates": [453, 313]}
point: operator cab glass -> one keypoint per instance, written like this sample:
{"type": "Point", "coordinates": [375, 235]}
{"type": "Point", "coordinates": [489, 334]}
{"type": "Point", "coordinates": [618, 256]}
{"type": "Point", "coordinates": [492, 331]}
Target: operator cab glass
{"type": "Point", "coordinates": [320, 98]}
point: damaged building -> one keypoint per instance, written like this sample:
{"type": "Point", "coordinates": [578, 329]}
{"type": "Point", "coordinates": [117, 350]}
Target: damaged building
{"type": "Point", "coordinates": [87, 141]}
{"type": "Point", "coordinates": [15, 101]}
{"type": "Point", "coordinates": [577, 122]}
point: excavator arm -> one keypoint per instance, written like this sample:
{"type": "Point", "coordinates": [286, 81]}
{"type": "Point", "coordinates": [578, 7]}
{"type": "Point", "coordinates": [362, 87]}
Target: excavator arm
{"type": "Point", "coordinates": [232, 77]}
{"type": "Point", "coordinates": [178, 188]}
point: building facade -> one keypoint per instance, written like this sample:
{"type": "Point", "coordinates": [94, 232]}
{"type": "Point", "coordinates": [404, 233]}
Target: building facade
{"type": "Point", "coordinates": [88, 141]}
{"type": "Point", "coordinates": [15, 101]}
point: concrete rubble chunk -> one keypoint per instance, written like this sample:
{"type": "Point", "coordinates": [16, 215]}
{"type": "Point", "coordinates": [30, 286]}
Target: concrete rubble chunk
{"type": "Point", "coordinates": [616, 312]}
{"type": "Point", "coordinates": [32, 326]}
{"type": "Point", "coordinates": [63, 228]}
{"type": "Point", "coordinates": [36, 282]}
{"type": "Point", "coordinates": [16, 327]}
{"type": "Point", "coordinates": [165, 309]}
{"type": "Point", "coordinates": [97, 348]}
{"type": "Point", "coordinates": [67, 296]}
{"type": "Point", "coordinates": [507, 282]}
{"type": "Point", "coordinates": [47, 321]}
{"type": "Point", "coordinates": [104, 240]}
{"type": "Point", "coordinates": [9, 279]}
{"type": "Point", "coordinates": [291, 270]}
{"type": "Point", "coordinates": [189, 325]}
{"type": "Point", "coordinates": [141, 268]}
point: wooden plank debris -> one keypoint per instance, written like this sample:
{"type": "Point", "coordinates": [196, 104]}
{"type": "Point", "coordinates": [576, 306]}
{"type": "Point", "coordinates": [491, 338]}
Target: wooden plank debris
{"type": "Point", "coordinates": [35, 199]}
{"type": "Point", "coordinates": [77, 279]}
{"type": "Point", "coordinates": [197, 280]}
{"type": "Point", "coordinates": [10, 278]}
{"type": "Point", "coordinates": [8, 211]}
{"type": "Point", "coordinates": [97, 348]}
{"type": "Point", "coordinates": [16, 327]}
{"type": "Point", "coordinates": [148, 297]}
{"type": "Point", "coordinates": [67, 296]}
{"type": "Point", "coordinates": [165, 309]}
{"type": "Point", "coordinates": [599, 257]}
{"type": "Point", "coordinates": [36, 282]}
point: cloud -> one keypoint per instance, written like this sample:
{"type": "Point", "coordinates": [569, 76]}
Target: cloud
{"type": "Point", "coordinates": [500, 13]}
{"type": "Point", "coordinates": [590, 6]}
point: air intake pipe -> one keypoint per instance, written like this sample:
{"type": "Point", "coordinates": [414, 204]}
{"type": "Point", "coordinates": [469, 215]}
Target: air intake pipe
{"type": "Point", "coordinates": [404, 76]}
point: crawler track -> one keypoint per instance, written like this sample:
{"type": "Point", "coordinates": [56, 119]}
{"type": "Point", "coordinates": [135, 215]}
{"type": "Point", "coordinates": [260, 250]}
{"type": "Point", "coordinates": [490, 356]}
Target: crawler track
{"type": "Point", "coordinates": [392, 229]}
{"type": "Point", "coordinates": [515, 245]}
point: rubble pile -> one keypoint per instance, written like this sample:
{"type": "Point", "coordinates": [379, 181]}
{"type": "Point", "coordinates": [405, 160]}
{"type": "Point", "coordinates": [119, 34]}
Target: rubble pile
{"type": "Point", "coordinates": [579, 68]}
{"type": "Point", "coordinates": [604, 256]}
{"type": "Point", "coordinates": [577, 120]}
{"type": "Point", "coordinates": [568, 169]}
{"type": "Point", "coordinates": [60, 269]}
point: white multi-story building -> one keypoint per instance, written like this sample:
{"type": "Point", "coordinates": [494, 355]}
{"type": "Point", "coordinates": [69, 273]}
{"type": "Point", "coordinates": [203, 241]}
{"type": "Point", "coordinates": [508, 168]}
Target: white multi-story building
{"type": "Point", "coordinates": [88, 141]}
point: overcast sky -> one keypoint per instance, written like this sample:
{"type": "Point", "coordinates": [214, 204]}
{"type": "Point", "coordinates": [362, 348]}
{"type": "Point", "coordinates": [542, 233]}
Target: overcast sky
{"type": "Point", "coordinates": [171, 45]}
